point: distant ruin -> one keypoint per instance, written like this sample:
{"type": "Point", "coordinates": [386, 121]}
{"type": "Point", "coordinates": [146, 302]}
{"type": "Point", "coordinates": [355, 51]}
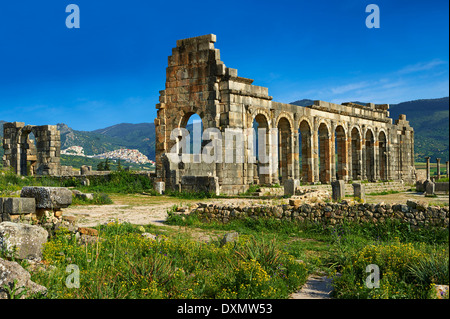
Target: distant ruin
{"type": "Point", "coordinates": [28, 158]}
{"type": "Point", "coordinates": [318, 143]}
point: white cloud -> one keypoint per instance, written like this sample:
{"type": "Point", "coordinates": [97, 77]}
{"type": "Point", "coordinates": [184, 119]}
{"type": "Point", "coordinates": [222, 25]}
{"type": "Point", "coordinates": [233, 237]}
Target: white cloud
{"type": "Point", "coordinates": [421, 66]}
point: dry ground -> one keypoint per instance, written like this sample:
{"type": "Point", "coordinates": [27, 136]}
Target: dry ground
{"type": "Point", "coordinates": [144, 209]}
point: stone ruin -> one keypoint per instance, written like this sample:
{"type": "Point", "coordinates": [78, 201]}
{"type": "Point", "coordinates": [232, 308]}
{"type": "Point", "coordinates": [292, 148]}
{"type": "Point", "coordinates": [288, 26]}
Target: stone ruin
{"type": "Point", "coordinates": [365, 142]}
{"type": "Point", "coordinates": [25, 157]}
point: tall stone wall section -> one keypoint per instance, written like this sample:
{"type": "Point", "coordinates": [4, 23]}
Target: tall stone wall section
{"type": "Point", "coordinates": [24, 157]}
{"type": "Point", "coordinates": [370, 147]}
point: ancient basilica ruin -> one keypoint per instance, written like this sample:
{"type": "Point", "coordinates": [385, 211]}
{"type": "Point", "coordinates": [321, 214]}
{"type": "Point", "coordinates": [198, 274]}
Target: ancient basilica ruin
{"type": "Point", "coordinates": [321, 142]}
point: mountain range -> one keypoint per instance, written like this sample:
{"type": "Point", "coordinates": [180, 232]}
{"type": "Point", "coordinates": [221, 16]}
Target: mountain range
{"type": "Point", "coordinates": [428, 117]}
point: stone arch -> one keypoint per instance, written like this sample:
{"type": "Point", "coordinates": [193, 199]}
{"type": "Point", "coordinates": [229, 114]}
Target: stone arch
{"type": "Point", "coordinates": [341, 147]}
{"type": "Point", "coordinates": [356, 152]}
{"type": "Point", "coordinates": [287, 116]}
{"type": "Point", "coordinates": [324, 141]}
{"type": "Point", "coordinates": [256, 112]}
{"type": "Point", "coordinates": [261, 148]}
{"type": "Point", "coordinates": [369, 149]}
{"type": "Point", "coordinates": [285, 154]}
{"type": "Point", "coordinates": [195, 132]}
{"type": "Point", "coordinates": [27, 150]}
{"type": "Point", "coordinates": [382, 155]}
{"type": "Point", "coordinates": [305, 134]}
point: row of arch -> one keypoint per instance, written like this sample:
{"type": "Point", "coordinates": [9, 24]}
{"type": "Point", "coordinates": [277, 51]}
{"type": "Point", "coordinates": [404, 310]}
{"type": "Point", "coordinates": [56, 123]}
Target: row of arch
{"type": "Point", "coordinates": [319, 153]}
{"type": "Point", "coordinates": [328, 153]}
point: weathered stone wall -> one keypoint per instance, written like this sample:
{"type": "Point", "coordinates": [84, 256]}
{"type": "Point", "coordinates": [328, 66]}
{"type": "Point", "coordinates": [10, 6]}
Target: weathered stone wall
{"type": "Point", "coordinates": [417, 214]}
{"type": "Point", "coordinates": [26, 158]}
{"type": "Point", "coordinates": [207, 184]}
{"type": "Point", "coordinates": [369, 146]}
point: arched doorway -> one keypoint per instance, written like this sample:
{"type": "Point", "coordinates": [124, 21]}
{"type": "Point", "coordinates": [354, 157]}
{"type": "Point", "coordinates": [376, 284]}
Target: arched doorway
{"type": "Point", "coordinates": [305, 151]}
{"type": "Point", "coordinates": [284, 150]}
{"type": "Point", "coordinates": [28, 152]}
{"type": "Point", "coordinates": [341, 162]}
{"type": "Point", "coordinates": [382, 152]}
{"type": "Point", "coordinates": [356, 154]}
{"type": "Point", "coordinates": [324, 154]}
{"type": "Point", "coordinates": [370, 155]}
{"type": "Point", "coordinates": [261, 149]}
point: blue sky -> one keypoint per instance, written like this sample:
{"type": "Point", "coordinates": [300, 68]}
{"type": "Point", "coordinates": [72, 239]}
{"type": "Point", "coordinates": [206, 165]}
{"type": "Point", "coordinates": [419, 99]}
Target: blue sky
{"type": "Point", "coordinates": [111, 69]}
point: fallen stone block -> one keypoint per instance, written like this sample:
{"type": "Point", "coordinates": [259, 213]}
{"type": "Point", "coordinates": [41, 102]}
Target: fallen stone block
{"type": "Point", "coordinates": [19, 206]}
{"type": "Point", "coordinates": [338, 190]}
{"type": "Point", "coordinates": [26, 240]}
{"type": "Point", "coordinates": [48, 197]}
{"type": "Point", "coordinates": [88, 231]}
{"type": "Point", "coordinates": [290, 186]}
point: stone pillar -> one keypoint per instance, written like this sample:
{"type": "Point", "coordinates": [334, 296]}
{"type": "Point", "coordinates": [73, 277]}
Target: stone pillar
{"type": "Point", "coordinates": [428, 167]}
{"type": "Point", "coordinates": [338, 190]}
{"type": "Point", "coordinates": [438, 165]}
{"type": "Point", "coordinates": [429, 188]}
{"type": "Point", "coordinates": [359, 191]}
{"type": "Point", "coordinates": [447, 167]}
{"type": "Point", "coordinates": [290, 186]}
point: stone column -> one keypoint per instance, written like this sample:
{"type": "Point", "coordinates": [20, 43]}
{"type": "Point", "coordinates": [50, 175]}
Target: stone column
{"type": "Point", "coordinates": [447, 167]}
{"type": "Point", "coordinates": [359, 191]}
{"type": "Point", "coordinates": [428, 167]}
{"type": "Point", "coordinates": [438, 165]}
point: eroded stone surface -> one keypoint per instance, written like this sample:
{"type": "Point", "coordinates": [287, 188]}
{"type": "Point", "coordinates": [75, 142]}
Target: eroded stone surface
{"type": "Point", "coordinates": [48, 197]}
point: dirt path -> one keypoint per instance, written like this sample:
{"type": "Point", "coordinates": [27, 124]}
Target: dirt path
{"type": "Point", "coordinates": [317, 287]}
{"type": "Point", "coordinates": [143, 209]}
{"type": "Point", "coordinates": [139, 210]}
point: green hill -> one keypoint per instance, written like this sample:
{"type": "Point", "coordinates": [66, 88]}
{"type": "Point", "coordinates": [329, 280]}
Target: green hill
{"type": "Point", "coordinates": [134, 136]}
{"type": "Point", "coordinates": [430, 120]}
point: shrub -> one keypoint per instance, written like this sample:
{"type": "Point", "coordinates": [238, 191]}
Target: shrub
{"type": "Point", "coordinates": [405, 272]}
{"type": "Point", "coordinates": [124, 264]}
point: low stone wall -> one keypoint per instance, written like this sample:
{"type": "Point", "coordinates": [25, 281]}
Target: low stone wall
{"type": "Point", "coordinates": [441, 187]}
{"type": "Point", "coordinates": [416, 213]}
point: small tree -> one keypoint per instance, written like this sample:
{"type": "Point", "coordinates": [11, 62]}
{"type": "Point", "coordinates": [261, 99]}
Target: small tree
{"type": "Point", "coordinates": [100, 166]}
{"type": "Point", "coordinates": [119, 166]}
{"type": "Point", "coordinates": [107, 168]}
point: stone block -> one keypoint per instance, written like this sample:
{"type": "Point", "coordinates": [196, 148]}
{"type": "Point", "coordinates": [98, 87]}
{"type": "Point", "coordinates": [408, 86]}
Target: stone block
{"type": "Point", "coordinates": [359, 191]}
{"type": "Point", "coordinates": [27, 239]}
{"type": "Point", "coordinates": [429, 188]}
{"type": "Point", "coordinates": [338, 190]}
{"type": "Point", "coordinates": [19, 206]}
{"type": "Point", "coordinates": [290, 185]}
{"type": "Point", "coordinates": [48, 197]}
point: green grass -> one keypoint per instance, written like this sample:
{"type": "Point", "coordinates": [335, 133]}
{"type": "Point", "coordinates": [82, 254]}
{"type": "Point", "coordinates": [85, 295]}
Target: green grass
{"type": "Point", "coordinates": [99, 199]}
{"type": "Point", "coordinates": [348, 248]}
{"type": "Point", "coordinates": [124, 264]}
{"type": "Point", "coordinates": [388, 192]}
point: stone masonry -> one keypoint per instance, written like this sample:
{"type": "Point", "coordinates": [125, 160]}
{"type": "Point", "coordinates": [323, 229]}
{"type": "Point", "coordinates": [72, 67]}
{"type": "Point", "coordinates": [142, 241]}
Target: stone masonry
{"type": "Point", "coordinates": [365, 142]}
{"type": "Point", "coordinates": [26, 158]}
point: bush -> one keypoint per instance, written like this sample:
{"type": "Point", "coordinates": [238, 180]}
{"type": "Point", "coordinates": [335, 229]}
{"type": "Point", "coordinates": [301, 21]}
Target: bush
{"type": "Point", "coordinates": [405, 272]}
